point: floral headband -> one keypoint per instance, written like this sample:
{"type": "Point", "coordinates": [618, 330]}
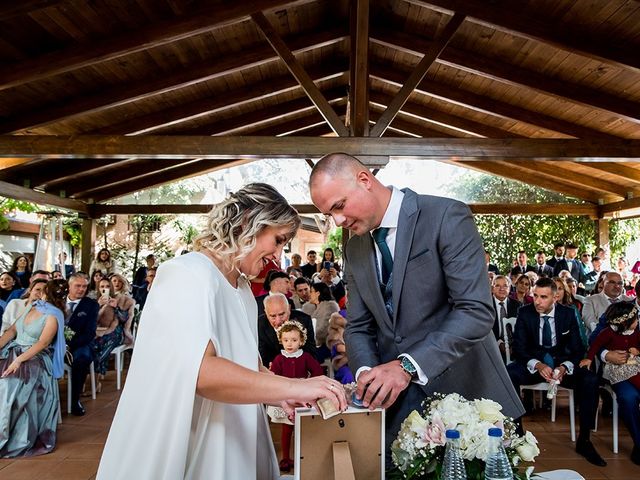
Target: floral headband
{"type": "Point", "coordinates": [623, 318]}
{"type": "Point", "coordinates": [291, 325]}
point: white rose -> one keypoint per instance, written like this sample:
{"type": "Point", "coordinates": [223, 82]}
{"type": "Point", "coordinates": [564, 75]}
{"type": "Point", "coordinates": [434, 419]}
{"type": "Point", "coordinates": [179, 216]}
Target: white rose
{"type": "Point", "coordinates": [528, 450]}
{"type": "Point", "coordinates": [416, 422]}
{"type": "Point", "coordinates": [489, 410]}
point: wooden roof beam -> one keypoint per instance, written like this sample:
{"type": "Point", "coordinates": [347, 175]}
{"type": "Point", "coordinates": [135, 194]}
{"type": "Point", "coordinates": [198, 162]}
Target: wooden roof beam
{"type": "Point", "coordinates": [418, 73]}
{"type": "Point", "coordinates": [300, 74]}
{"type": "Point", "coordinates": [217, 103]}
{"type": "Point", "coordinates": [161, 33]}
{"type": "Point", "coordinates": [619, 169]}
{"type": "Point", "coordinates": [489, 105]}
{"type": "Point", "coordinates": [447, 120]}
{"type": "Point", "coordinates": [476, 208]}
{"type": "Point", "coordinates": [10, 190]}
{"type": "Point", "coordinates": [502, 16]}
{"type": "Point", "coordinates": [359, 69]}
{"type": "Point", "coordinates": [233, 147]}
{"type": "Point", "coordinates": [12, 9]}
{"type": "Point", "coordinates": [414, 127]}
{"type": "Point", "coordinates": [623, 209]}
{"type": "Point", "coordinates": [160, 84]}
{"type": "Point", "coordinates": [156, 179]}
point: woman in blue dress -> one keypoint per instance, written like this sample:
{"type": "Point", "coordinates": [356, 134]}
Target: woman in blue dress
{"type": "Point", "coordinates": [31, 359]}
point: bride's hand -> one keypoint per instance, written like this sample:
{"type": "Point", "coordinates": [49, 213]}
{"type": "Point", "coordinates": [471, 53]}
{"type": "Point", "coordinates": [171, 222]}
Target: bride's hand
{"type": "Point", "coordinates": [309, 390]}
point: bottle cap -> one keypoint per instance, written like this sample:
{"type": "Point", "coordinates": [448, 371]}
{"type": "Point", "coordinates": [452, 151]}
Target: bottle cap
{"type": "Point", "coordinates": [495, 432]}
{"type": "Point", "coordinates": [452, 434]}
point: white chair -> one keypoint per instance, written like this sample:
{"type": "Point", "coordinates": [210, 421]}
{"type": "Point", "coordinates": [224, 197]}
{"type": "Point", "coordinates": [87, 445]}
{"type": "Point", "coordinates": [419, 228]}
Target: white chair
{"type": "Point", "coordinates": [67, 371]}
{"type": "Point", "coordinates": [614, 420]}
{"type": "Point", "coordinates": [541, 387]}
{"type": "Point", "coordinates": [119, 354]}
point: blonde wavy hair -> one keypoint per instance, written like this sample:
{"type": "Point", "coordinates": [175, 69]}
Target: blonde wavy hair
{"type": "Point", "coordinates": [233, 224]}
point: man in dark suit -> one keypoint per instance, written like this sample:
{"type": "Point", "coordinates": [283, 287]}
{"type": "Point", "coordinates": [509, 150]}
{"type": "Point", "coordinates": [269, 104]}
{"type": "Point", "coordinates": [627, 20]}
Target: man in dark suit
{"type": "Point", "coordinates": [276, 281]}
{"type": "Point", "coordinates": [541, 267]}
{"type": "Point", "coordinates": [82, 318]}
{"type": "Point", "coordinates": [503, 307]}
{"type": "Point", "coordinates": [278, 311]}
{"type": "Point", "coordinates": [573, 263]}
{"type": "Point", "coordinates": [522, 267]}
{"type": "Point", "coordinates": [419, 318]}
{"type": "Point", "coordinates": [309, 268]}
{"type": "Point", "coordinates": [68, 269]}
{"type": "Point", "coordinates": [490, 266]}
{"type": "Point", "coordinates": [546, 337]}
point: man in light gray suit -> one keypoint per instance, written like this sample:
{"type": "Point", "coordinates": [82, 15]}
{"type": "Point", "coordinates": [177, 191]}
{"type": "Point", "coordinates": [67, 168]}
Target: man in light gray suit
{"type": "Point", "coordinates": [419, 316]}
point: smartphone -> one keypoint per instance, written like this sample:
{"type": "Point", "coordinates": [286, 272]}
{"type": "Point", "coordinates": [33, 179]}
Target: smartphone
{"type": "Point", "coordinates": [106, 292]}
{"type": "Point", "coordinates": [328, 265]}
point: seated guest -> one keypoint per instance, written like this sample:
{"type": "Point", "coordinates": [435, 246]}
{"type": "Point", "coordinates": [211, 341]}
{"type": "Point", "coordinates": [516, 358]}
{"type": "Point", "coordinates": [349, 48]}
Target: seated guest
{"type": "Point", "coordinates": [31, 361]}
{"type": "Point", "coordinates": [21, 271]}
{"type": "Point", "coordinates": [334, 282]}
{"type": "Point", "coordinates": [546, 337]}
{"type": "Point", "coordinates": [277, 311]}
{"type": "Point", "coordinates": [93, 291]}
{"type": "Point", "coordinates": [141, 299]}
{"type": "Point", "coordinates": [296, 265]}
{"type": "Point", "coordinates": [504, 307]}
{"type": "Point", "coordinates": [335, 342]}
{"type": "Point", "coordinates": [321, 306]}
{"type": "Point", "coordinates": [20, 292]}
{"type": "Point", "coordinates": [596, 304]}
{"type": "Point", "coordinates": [81, 319]}
{"type": "Point", "coordinates": [309, 268]}
{"type": "Point", "coordinates": [301, 288]}
{"type": "Point", "coordinates": [328, 261]}
{"type": "Point", "coordinates": [578, 300]}
{"type": "Point", "coordinates": [257, 283]}
{"type": "Point", "coordinates": [7, 286]}
{"type": "Point", "coordinates": [541, 268]}
{"type": "Point", "coordinates": [120, 291]}
{"type": "Point", "coordinates": [490, 266]}
{"type": "Point", "coordinates": [564, 297]}
{"type": "Point", "coordinates": [17, 307]}
{"type": "Point", "coordinates": [112, 317]}
{"type": "Point", "coordinates": [103, 262]}
{"type": "Point", "coordinates": [522, 266]}
{"type": "Point", "coordinates": [276, 282]}
{"type": "Point", "coordinates": [522, 291]}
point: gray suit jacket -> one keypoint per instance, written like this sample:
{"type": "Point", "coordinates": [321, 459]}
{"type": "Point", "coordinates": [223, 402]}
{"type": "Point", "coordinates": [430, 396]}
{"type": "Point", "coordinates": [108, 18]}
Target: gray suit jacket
{"type": "Point", "coordinates": [443, 316]}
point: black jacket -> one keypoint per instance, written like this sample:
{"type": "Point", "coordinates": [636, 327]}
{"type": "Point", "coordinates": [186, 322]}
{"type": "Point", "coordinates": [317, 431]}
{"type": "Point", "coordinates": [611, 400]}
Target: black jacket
{"type": "Point", "coordinates": [268, 340]}
{"type": "Point", "coordinates": [83, 322]}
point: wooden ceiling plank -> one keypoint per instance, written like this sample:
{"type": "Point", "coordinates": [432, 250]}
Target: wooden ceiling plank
{"type": "Point", "coordinates": [299, 73]}
{"type": "Point", "coordinates": [83, 55]}
{"type": "Point", "coordinates": [234, 98]}
{"type": "Point", "coordinates": [501, 17]}
{"type": "Point", "coordinates": [159, 84]}
{"type": "Point", "coordinates": [51, 176]}
{"type": "Point", "coordinates": [619, 169]}
{"type": "Point", "coordinates": [6, 163]}
{"type": "Point", "coordinates": [10, 9]}
{"type": "Point", "coordinates": [524, 176]}
{"type": "Point", "coordinates": [359, 71]}
{"type": "Point", "coordinates": [459, 123]}
{"type": "Point", "coordinates": [158, 179]}
{"type": "Point", "coordinates": [10, 190]}
{"type": "Point", "coordinates": [418, 74]}
{"type": "Point", "coordinates": [500, 71]}
{"type": "Point", "coordinates": [155, 146]}
{"type": "Point", "coordinates": [491, 106]}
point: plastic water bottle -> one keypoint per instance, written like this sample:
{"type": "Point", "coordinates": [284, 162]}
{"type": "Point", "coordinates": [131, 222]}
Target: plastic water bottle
{"type": "Point", "coordinates": [553, 385]}
{"type": "Point", "coordinates": [498, 466]}
{"type": "Point", "coordinates": [453, 468]}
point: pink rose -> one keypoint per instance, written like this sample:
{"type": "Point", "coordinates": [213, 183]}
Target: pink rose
{"type": "Point", "coordinates": [435, 433]}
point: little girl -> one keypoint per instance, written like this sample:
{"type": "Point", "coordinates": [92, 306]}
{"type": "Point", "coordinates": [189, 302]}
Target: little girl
{"type": "Point", "coordinates": [621, 333]}
{"type": "Point", "coordinates": [293, 362]}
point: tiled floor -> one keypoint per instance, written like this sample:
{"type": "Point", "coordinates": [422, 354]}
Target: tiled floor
{"type": "Point", "coordinates": [81, 439]}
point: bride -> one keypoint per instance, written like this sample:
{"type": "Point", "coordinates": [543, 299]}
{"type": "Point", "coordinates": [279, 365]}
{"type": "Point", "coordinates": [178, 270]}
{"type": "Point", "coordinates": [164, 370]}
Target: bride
{"type": "Point", "coordinates": [192, 406]}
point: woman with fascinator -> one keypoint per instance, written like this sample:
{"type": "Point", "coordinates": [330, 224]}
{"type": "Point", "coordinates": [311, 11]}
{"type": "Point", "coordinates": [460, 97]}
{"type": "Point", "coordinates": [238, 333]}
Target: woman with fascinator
{"type": "Point", "coordinates": [31, 360]}
{"type": "Point", "coordinates": [193, 404]}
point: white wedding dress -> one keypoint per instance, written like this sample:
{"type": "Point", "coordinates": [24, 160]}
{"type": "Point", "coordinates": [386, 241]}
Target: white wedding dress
{"type": "Point", "coordinates": [162, 430]}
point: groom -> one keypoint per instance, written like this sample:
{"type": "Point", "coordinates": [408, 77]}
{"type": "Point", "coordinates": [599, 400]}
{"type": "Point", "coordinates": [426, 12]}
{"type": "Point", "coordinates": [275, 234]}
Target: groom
{"type": "Point", "coordinates": [419, 318]}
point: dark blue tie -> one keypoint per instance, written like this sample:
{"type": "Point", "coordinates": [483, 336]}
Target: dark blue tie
{"type": "Point", "coordinates": [546, 340]}
{"type": "Point", "coordinates": [380, 236]}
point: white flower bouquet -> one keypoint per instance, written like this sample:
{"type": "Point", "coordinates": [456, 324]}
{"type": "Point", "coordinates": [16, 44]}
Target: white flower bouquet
{"type": "Point", "coordinates": [418, 451]}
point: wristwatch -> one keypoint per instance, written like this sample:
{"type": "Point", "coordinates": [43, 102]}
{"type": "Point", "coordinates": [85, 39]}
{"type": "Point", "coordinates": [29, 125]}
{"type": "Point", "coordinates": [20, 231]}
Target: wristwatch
{"type": "Point", "coordinates": [408, 367]}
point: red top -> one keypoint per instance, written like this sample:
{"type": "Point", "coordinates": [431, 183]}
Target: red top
{"type": "Point", "coordinates": [258, 288]}
{"type": "Point", "coordinates": [611, 340]}
{"type": "Point", "coordinates": [302, 367]}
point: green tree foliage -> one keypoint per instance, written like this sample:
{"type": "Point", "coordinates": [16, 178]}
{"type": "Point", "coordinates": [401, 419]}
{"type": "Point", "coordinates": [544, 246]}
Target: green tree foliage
{"type": "Point", "coordinates": [504, 235]}
{"type": "Point", "coordinates": [334, 241]}
{"type": "Point", "coordinates": [10, 205]}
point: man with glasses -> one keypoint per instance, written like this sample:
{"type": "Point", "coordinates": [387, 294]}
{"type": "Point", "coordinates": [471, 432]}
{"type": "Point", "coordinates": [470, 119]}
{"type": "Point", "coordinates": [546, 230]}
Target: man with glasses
{"type": "Point", "coordinates": [595, 305]}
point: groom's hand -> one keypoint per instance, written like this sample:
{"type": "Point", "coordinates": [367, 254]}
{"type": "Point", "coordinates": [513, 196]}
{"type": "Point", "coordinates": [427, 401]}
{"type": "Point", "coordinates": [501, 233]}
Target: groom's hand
{"type": "Point", "coordinates": [380, 386]}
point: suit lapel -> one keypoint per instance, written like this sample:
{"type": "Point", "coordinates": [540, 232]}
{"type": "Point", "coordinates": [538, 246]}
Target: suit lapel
{"type": "Point", "coordinates": [367, 278]}
{"type": "Point", "coordinates": [404, 237]}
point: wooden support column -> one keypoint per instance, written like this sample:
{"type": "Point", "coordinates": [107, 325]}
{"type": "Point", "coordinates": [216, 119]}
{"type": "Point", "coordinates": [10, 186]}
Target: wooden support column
{"type": "Point", "coordinates": [602, 233]}
{"type": "Point", "coordinates": [300, 74]}
{"type": "Point", "coordinates": [359, 69]}
{"type": "Point", "coordinates": [88, 242]}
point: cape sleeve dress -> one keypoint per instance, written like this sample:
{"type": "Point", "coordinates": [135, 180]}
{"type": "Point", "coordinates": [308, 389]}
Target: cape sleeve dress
{"type": "Point", "coordinates": [162, 430]}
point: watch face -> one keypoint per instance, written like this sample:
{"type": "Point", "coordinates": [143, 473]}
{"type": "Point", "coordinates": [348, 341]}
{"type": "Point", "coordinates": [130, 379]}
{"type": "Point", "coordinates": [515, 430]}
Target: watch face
{"type": "Point", "coordinates": [408, 366]}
